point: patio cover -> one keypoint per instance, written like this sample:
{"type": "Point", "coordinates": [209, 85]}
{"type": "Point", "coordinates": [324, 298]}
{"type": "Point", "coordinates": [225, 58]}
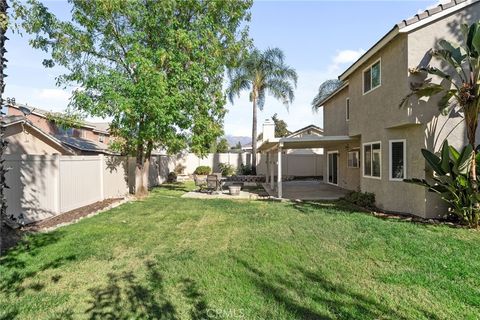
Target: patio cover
{"type": "Point", "coordinates": [303, 142]}
{"type": "Point", "coordinates": [279, 144]}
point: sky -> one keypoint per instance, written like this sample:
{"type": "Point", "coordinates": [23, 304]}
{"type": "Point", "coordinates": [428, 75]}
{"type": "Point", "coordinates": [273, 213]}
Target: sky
{"type": "Point", "coordinates": [320, 39]}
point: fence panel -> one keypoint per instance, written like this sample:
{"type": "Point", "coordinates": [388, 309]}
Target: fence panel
{"type": "Point", "coordinates": [33, 182]}
{"type": "Point", "coordinates": [115, 177]}
{"type": "Point", "coordinates": [80, 182]}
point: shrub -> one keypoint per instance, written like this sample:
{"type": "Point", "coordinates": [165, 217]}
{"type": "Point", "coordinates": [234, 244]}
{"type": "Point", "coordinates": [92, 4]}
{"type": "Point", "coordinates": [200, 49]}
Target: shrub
{"type": "Point", "coordinates": [172, 177]}
{"type": "Point", "coordinates": [226, 169]}
{"type": "Point", "coordinates": [362, 199]}
{"type": "Point", "coordinates": [245, 169]}
{"type": "Point", "coordinates": [179, 168]}
{"type": "Point", "coordinates": [203, 170]}
{"type": "Point", "coordinates": [453, 182]}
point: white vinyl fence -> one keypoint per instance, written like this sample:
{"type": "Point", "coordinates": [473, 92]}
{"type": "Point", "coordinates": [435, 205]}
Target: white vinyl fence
{"type": "Point", "coordinates": [299, 165]}
{"type": "Point", "coordinates": [44, 186]}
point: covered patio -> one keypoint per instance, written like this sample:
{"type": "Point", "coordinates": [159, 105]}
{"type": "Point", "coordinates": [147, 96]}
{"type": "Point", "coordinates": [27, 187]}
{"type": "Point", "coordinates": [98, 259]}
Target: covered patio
{"type": "Point", "coordinates": [275, 185]}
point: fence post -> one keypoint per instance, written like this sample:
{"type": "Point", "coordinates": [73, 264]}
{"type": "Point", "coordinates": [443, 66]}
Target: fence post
{"type": "Point", "coordinates": [101, 159]}
{"type": "Point", "coordinates": [56, 181]}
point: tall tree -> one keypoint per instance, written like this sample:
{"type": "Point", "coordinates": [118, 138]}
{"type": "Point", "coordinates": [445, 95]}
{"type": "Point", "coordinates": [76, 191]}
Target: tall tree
{"type": "Point", "coordinates": [325, 89]}
{"type": "Point", "coordinates": [222, 146]}
{"type": "Point", "coordinates": [461, 87]}
{"type": "Point", "coordinates": [281, 129]}
{"type": "Point", "coordinates": [155, 67]}
{"type": "Point", "coordinates": [3, 142]}
{"type": "Point", "coordinates": [262, 73]}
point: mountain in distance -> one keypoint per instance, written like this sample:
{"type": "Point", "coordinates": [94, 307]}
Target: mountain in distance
{"type": "Point", "coordinates": [233, 140]}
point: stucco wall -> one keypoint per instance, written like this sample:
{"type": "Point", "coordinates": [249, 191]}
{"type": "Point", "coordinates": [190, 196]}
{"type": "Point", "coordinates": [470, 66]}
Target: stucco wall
{"type": "Point", "coordinates": [348, 178]}
{"type": "Point", "coordinates": [24, 140]}
{"type": "Point", "coordinates": [334, 113]}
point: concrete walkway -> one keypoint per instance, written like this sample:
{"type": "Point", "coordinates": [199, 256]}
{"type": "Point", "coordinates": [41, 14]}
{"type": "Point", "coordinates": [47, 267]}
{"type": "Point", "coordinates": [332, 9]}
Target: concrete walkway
{"type": "Point", "coordinates": [244, 195]}
{"type": "Point", "coordinates": [308, 190]}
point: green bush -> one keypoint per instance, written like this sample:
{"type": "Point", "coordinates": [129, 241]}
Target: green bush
{"type": "Point", "coordinates": [362, 199]}
{"type": "Point", "coordinates": [453, 182]}
{"type": "Point", "coordinates": [226, 169]}
{"type": "Point", "coordinates": [203, 170]}
{"type": "Point", "coordinates": [245, 169]}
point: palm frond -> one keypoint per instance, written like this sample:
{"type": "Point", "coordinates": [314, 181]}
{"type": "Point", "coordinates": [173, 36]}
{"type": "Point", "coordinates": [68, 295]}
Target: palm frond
{"type": "Point", "coordinates": [239, 81]}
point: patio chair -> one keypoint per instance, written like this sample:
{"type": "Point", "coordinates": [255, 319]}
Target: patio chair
{"type": "Point", "coordinates": [200, 181]}
{"type": "Point", "coordinates": [214, 182]}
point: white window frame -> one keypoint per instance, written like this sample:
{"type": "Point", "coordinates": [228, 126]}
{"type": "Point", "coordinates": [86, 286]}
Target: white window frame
{"type": "Point", "coordinates": [363, 77]}
{"type": "Point", "coordinates": [328, 166]}
{"type": "Point", "coordinates": [371, 163]}
{"type": "Point", "coordinates": [390, 159]}
{"type": "Point", "coordinates": [347, 109]}
{"type": "Point", "coordinates": [357, 151]}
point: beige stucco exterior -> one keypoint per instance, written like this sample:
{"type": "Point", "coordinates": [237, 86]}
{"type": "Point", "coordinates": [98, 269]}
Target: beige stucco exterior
{"type": "Point", "coordinates": [377, 117]}
{"type": "Point", "coordinates": [23, 139]}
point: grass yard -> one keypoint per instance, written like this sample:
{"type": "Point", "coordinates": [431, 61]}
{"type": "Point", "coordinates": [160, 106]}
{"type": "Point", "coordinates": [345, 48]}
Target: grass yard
{"type": "Point", "coordinates": [172, 258]}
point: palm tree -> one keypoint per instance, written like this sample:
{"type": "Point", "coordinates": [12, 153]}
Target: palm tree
{"type": "Point", "coordinates": [325, 89]}
{"type": "Point", "coordinates": [262, 73]}
{"type": "Point", "coordinates": [462, 89]}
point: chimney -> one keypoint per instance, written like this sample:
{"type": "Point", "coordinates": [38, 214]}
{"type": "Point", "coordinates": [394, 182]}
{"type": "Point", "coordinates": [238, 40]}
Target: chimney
{"type": "Point", "coordinates": [268, 130]}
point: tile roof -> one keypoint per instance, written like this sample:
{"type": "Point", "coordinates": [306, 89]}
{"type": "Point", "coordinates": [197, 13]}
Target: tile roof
{"type": "Point", "coordinates": [428, 13]}
{"type": "Point", "coordinates": [99, 126]}
{"type": "Point", "coordinates": [311, 126]}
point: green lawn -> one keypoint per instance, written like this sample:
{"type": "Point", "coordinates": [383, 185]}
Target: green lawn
{"type": "Point", "coordinates": [172, 258]}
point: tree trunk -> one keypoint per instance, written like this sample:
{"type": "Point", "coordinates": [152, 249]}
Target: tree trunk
{"type": "Point", "coordinates": [254, 134]}
{"type": "Point", "coordinates": [471, 121]}
{"type": "Point", "coordinates": [141, 172]}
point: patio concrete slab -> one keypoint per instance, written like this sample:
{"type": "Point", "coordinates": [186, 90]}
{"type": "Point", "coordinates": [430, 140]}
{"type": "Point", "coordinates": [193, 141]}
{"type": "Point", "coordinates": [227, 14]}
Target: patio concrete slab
{"type": "Point", "coordinates": [308, 190]}
{"type": "Point", "coordinates": [244, 195]}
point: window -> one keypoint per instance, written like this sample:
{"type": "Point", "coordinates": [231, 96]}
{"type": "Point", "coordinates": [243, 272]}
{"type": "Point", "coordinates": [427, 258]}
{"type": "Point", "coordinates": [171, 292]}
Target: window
{"type": "Point", "coordinates": [372, 162]}
{"type": "Point", "coordinates": [101, 138]}
{"type": "Point", "coordinates": [353, 161]}
{"type": "Point", "coordinates": [62, 131]}
{"type": "Point", "coordinates": [397, 167]}
{"type": "Point", "coordinates": [372, 77]}
{"type": "Point", "coordinates": [347, 107]}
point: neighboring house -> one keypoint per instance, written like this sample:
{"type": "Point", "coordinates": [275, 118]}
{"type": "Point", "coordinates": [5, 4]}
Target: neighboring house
{"type": "Point", "coordinates": [308, 131]}
{"type": "Point", "coordinates": [311, 130]}
{"type": "Point", "coordinates": [371, 144]}
{"type": "Point", "coordinates": [25, 138]}
{"type": "Point", "coordinates": [89, 138]}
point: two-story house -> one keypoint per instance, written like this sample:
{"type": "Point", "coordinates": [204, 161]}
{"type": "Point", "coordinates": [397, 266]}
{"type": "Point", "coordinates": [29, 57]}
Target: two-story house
{"type": "Point", "coordinates": [370, 143]}
{"type": "Point", "coordinates": [390, 138]}
{"type": "Point", "coordinates": [88, 138]}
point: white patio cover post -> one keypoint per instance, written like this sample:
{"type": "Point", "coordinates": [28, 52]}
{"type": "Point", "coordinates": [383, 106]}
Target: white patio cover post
{"type": "Point", "coordinates": [272, 171]}
{"type": "Point", "coordinates": [279, 174]}
{"type": "Point", "coordinates": [267, 155]}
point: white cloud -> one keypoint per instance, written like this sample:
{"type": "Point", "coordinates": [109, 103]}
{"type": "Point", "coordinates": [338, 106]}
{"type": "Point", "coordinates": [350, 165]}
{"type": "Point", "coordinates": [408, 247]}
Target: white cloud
{"type": "Point", "coordinates": [344, 57]}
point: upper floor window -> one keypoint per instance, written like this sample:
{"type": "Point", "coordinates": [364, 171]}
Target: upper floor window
{"type": "Point", "coordinates": [64, 131]}
{"type": "Point", "coordinates": [372, 77]}
{"type": "Point", "coordinates": [101, 138]}
{"type": "Point", "coordinates": [347, 109]}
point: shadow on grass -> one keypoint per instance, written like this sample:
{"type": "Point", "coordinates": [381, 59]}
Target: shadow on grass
{"type": "Point", "coordinates": [127, 297]}
{"type": "Point", "coordinates": [174, 186]}
{"type": "Point", "coordinates": [16, 268]}
{"type": "Point", "coordinates": [313, 288]}
{"type": "Point", "coordinates": [334, 206]}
